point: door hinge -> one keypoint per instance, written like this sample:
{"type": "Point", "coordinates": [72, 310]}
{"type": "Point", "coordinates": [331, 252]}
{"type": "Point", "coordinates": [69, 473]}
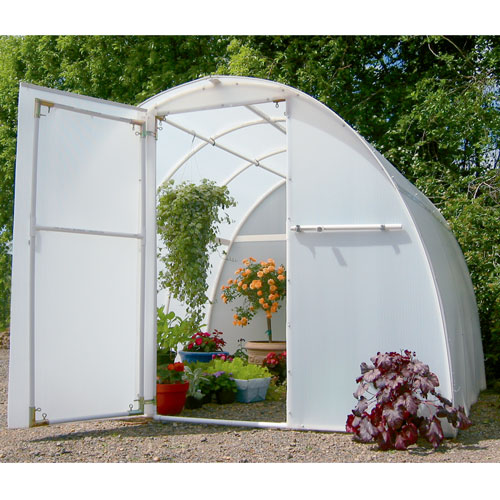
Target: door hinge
{"type": "Point", "coordinates": [38, 105]}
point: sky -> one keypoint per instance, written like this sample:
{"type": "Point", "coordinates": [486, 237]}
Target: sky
{"type": "Point", "coordinates": [258, 17]}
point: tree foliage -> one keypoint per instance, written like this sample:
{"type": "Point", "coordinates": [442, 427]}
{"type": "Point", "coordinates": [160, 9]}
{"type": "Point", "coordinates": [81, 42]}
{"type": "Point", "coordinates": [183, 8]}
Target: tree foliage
{"type": "Point", "coordinates": [430, 104]}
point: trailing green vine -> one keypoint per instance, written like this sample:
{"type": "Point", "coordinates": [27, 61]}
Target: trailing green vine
{"type": "Point", "coordinates": [188, 217]}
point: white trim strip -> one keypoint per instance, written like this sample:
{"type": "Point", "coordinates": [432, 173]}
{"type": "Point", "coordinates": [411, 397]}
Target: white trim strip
{"type": "Point", "coordinates": [247, 238]}
{"type": "Point", "coordinates": [345, 227]}
{"type": "Point", "coordinates": [89, 231]}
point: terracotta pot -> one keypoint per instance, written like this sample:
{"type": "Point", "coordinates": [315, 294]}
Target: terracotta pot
{"type": "Point", "coordinates": [170, 398]}
{"type": "Point", "coordinates": [258, 350]}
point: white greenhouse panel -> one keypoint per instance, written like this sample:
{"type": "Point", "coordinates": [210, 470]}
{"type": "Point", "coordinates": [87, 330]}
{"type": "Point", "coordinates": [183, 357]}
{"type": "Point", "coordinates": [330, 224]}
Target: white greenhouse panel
{"type": "Point", "coordinates": [351, 294]}
{"type": "Point", "coordinates": [86, 328]}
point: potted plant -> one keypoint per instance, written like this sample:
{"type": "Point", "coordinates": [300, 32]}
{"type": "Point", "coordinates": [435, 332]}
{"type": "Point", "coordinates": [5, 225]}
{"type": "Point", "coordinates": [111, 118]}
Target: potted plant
{"type": "Point", "coordinates": [224, 387]}
{"type": "Point", "coordinates": [203, 346]}
{"type": "Point", "coordinates": [262, 285]}
{"type": "Point", "coordinates": [252, 381]}
{"type": "Point", "coordinates": [171, 389]}
{"type": "Point", "coordinates": [195, 395]}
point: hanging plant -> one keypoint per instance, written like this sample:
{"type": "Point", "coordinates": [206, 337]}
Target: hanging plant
{"type": "Point", "coordinates": [188, 217]}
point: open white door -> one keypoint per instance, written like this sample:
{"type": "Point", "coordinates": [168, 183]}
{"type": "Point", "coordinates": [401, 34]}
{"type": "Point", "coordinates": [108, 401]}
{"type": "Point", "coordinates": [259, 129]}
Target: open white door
{"type": "Point", "coordinates": [84, 280]}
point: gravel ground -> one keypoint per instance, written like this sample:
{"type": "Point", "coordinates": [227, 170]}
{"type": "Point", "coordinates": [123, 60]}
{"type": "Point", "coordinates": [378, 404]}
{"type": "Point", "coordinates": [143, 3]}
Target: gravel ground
{"type": "Point", "coordinates": [142, 440]}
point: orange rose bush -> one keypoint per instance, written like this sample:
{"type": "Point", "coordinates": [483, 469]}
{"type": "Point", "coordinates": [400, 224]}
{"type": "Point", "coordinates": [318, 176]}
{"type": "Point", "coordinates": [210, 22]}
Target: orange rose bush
{"type": "Point", "coordinates": [262, 286]}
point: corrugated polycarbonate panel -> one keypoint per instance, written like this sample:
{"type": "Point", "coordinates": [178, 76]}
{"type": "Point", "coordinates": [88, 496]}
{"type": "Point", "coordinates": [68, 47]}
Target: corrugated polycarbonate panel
{"type": "Point", "coordinates": [351, 294]}
{"type": "Point", "coordinates": [83, 180]}
{"type": "Point", "coordinates": [86, 327]}
{"type": "Point", "coordinates": [458, 310]}
{"type": "Point", "coordinates": [455, 289]}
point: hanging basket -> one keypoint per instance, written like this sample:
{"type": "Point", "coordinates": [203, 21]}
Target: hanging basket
{"type": "Point", "coordinates": [170, 398]}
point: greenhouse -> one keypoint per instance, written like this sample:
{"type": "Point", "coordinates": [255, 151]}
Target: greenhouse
{"type": "Point", "coordinates": [371, 264]}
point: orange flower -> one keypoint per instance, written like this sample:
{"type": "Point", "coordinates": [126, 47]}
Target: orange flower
{"type": "Point", "coordinates": [259, 293]}
{"type": "Point", "coordinates": [244, 321]}
{"type": "Point", "coordinates": [281, 269]}
{"type": "Point", "coordinates": [265, 305]}
{"type": "Point", "coordinates": [262, 300]}
{"type": "Point", "coordinates": [273, 288]}
{"type": "Point", "coordinates": [260, 274]}
{"type": "Point", "coordinates": [269, 314]}
{"type": "Point", "coordinates": [270, 282]}
{"type": "Point", "coordinates": [262, 263]}
{"type": "Point", "coordinates": [245, 261]}
{"type": "Point", "coordinates": [247, 272]}
{"type": "Point", "coordinates": [252, 259]}
{"type": "Point", "coordinates": [244, 286]}
{"type": "Point", "coordinates": [281, 277]}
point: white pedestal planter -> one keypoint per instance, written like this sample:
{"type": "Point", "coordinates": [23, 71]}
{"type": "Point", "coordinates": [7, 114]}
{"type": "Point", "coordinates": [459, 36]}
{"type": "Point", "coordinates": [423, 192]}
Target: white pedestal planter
{"type": "Point", "coordinates": [253, 390]}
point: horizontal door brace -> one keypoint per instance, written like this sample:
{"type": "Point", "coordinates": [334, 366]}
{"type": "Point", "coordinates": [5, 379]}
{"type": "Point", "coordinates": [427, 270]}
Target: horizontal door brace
{"type": "Point", "coordinates": [89, 231]}
{"type": "Point", "coordinates": [345, 227]}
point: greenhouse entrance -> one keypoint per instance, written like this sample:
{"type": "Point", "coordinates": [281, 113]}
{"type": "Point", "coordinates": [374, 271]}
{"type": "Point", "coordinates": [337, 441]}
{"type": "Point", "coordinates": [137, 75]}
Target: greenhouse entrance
{"type": "Point", "coordinates": [245, 149]}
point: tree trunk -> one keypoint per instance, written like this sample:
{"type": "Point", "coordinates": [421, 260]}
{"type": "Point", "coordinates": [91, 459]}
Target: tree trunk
{"type": "Point", "coordinates": [269, 331]}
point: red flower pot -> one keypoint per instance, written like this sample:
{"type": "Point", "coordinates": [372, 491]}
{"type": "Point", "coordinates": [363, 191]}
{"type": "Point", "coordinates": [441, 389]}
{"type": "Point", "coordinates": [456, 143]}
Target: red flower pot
{"type": "Point", "coordinates": [170, 398]}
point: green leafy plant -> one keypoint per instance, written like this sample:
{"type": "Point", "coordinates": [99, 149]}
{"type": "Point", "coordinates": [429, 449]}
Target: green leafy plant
{"type": "Point", "coordinates": [196, 378]}
{"type": "Point", "coordinates": [405, 404]}
{"type": "Point", "coordinates": [241, 352]}
{"type": "Point", "coordinates": [223, 381]}
{"type": "Point", "coordinates": [172, 330]}
{"type": "Point", "coordinates": [239, 369]}
{"type": "Point", "coordinates": [188, 217]}
{"type": "Point", "coordinates": [262, 285]}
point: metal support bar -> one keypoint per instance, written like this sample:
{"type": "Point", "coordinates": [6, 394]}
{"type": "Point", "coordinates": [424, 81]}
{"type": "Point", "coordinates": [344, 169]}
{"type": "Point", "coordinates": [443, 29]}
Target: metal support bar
{"type": "Point", "coordinates": [89, 231]}
{"type": "Point", "coordinates": [214, 421]}
{"type": "Point", "coordinates": [345, 227]}
{"type": "Point", "coordinates": [86, 112]}
{"type": "Point", "coordinates": [212, 141]}
{"type": "Point", "coordinates": [268, 119]}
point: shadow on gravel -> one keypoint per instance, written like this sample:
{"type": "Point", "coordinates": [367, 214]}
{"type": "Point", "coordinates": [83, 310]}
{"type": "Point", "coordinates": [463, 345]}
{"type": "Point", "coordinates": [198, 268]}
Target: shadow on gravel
{"type": "Point", "coordinates": [147, 428]}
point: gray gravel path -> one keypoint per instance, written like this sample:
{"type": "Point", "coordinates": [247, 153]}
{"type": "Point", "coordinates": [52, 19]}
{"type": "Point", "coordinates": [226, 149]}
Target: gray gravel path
{"type": "Point", "coordinates": [142, 440]}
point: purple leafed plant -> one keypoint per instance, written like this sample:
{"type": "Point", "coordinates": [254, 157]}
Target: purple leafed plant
{"type": "Point", "coordinates": [404, 405]}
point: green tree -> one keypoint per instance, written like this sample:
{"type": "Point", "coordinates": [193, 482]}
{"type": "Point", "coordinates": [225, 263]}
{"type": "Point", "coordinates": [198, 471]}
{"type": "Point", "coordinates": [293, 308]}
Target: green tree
{"type": "Point", "coordinates": [127, 69]}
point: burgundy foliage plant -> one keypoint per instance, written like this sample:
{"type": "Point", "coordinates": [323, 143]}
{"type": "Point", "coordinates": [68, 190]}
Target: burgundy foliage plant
{"type": "Point", "coordinates": [398, 402]}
